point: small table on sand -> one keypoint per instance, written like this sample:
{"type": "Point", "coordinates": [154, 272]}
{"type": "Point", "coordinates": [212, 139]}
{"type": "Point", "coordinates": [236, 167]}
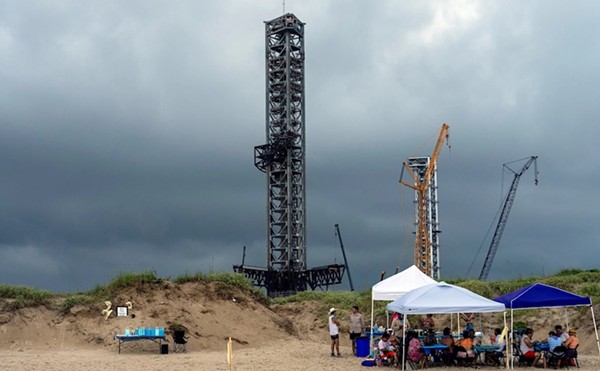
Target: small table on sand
{"type": "Point", "coordinates": [127, 338]}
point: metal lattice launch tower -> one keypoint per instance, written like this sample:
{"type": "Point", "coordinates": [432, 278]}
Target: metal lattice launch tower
{"type": "Point", "coordinates": [282, 159]}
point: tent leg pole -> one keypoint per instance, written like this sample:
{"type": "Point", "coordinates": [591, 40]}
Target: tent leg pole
{"type": "Point", "coordinates": [371, 329]}
{"type": "Point", "coordinates": [595, 327]}
{"type": "Point", "coordinates": [512, 358]}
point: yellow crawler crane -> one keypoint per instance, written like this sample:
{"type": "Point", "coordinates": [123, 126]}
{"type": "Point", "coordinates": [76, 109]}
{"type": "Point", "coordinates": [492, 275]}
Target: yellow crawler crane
{"type": "Point", "coordinates": [421, 183]}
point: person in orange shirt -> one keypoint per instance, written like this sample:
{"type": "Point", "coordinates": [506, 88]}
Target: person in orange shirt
{"type": "Point", "coordinates": [572, 342]}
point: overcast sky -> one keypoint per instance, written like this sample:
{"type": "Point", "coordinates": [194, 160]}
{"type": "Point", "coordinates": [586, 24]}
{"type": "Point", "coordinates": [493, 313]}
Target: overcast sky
{"type": "Point", "coordinates": [127, 131]}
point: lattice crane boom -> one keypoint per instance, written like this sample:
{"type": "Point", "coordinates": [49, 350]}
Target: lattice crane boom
{"type": "Point", "coordinates": [508, 202]}
{"type": "Point", "coordinates": [422, 247]}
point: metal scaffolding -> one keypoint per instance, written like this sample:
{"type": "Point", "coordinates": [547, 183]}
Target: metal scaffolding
{"type": "Point", "coordinates": [282, 159]}
{"type": "Point", "coordinates": [419, 166]}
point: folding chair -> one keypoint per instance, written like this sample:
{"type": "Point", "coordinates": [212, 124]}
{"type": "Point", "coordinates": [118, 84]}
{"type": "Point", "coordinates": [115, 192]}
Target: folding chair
{"type": "Point", "coordinates": [180, 341]}
{"type": "Point", "coordinates": [571, 357]}
{"type": "Point", "coordinates": [521, 359]}
{"type": "Point", "coordinates": [557, 357]}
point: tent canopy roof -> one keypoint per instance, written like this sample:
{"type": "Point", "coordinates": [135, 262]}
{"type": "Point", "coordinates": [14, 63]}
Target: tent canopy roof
{"type": "Point", "coordinates": [540, 295]}
{"type": "Point", "coordinates": [443, 298]}
{"type": "Point", "coordinates": [399, 284]}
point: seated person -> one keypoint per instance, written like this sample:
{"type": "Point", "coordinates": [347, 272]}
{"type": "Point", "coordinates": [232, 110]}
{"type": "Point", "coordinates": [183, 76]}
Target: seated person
{"type": "Point", "coordinates": [493, 357]}
{"type": "Point", "coordinates": [386, 350]}
{"type": "Point", "coordinates": [415, 353]}
{"type": "Point", "coordinates": [394, 341]}
{"type": "Point", "coordinates": [553, 341]}
{"type": "Point", "coordinates": [559, 332]}
{"type": "Point", "coordinates": [429, 337]}
{"type": "Point", "coordinates": [572, 342]}
{"type": "Point", "coordinates": [464, 348]}
{"type": "Point", "coordinates": [427, 322]}
{"type": "Point", "coordinates": [527, 347]}
{"type": "Point", "coordinates": [447, 340]}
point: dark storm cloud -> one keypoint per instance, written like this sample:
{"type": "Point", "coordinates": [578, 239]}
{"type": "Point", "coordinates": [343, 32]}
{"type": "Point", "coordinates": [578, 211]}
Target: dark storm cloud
{"type": "Point", "coordinates": [127, 129]}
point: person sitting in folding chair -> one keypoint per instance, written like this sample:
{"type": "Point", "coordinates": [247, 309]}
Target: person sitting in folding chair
{"type": "Point", "coordinates": [415, 355]}
{"type": "Point", "coordinates": [527, 347]}
{"type": "Point", "coordinates": [572, 343]}
{"type": "Point", "coordinates": [464, 353]}
{"type": "Point", "coordinates": [387, 354]}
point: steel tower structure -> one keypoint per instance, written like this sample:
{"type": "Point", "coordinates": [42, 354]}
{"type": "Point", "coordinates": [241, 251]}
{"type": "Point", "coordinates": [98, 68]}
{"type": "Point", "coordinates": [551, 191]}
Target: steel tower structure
{"type": "Point", "coordinates": [423, 174]}
{"type": "Point", "coordinates": [419, 166]}
{"type": "Point", "coordinates": [282, 159]}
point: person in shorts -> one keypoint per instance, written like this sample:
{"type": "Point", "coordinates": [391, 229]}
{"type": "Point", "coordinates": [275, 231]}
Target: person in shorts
{"type": "Point", "coordinates": [357, 324]}
{"type": "Point", "coordinates": [334, 333]}
{"type": "Point", "coordinates": [386, 350]}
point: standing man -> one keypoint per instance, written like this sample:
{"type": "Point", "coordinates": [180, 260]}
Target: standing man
{"type": "Point", "coordinates": [334, 332]}
{"type": "Point", "coordinates": [357, 324]}
{"type": "Point", "coordinates": [427, 322]}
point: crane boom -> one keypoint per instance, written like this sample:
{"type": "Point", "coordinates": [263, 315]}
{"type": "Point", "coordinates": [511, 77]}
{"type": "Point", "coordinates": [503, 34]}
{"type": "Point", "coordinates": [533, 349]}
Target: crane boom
{"type": "Point", "coordinates": [422, 248]}
{"type": "Point", "coordinates": [339, 234]}
{"type": "Point", "coordinates": [510, 198]}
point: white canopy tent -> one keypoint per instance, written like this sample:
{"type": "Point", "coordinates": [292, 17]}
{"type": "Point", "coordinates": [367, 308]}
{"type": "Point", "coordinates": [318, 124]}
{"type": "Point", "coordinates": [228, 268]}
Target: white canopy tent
{"type": "Point", "coordinates": [397, 285]}
{"type": "Point", "coordinates": [442, 298]}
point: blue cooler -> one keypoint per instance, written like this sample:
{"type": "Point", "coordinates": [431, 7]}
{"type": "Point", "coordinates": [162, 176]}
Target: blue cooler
{"type": "Point", "coordinates": [362, 346]}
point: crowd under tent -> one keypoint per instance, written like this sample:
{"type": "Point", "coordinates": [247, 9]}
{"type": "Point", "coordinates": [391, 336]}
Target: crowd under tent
{"type": "Point", "coordinates": [540, 295]}
{"type": "Point", "coordinates": [441, 298]}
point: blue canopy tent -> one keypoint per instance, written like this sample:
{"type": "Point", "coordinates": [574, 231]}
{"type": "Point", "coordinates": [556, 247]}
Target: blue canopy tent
{"type": "Point", "coordinates": [540, 295]}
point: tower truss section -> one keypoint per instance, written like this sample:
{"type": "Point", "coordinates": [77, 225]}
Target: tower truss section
{"type": "Point", "coordinates": [427, 256]}
{"type": "Point", "coordinates": [282, 159]}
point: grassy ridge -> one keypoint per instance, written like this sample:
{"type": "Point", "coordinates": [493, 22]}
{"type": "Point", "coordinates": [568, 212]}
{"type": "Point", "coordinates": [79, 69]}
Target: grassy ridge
{"type": "Point", "coordinates": [581, 282]}
{"type": "Point", "coordinates": [21, 296]}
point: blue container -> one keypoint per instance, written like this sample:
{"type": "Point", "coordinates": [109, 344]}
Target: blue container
{"type": "Point", "coordinates": [161, 331]}
{"type": "Point", "coordinates": [141, 331]}
{"type": "Point", "coordinates": [362, 346]}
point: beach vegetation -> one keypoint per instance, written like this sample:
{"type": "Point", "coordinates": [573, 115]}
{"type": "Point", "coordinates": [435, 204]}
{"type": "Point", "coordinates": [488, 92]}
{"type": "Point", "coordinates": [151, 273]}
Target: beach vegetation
{"type": "Point", "coordinates": [224, 281]}
{"type": "Point", "coordinates": [72, 300]}
{"type": "Point", "coordinates": [23, 296]}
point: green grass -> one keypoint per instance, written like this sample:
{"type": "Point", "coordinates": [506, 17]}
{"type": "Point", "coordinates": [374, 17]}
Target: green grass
{"type": "Point", "coordinates": [22, 296]}
{"type": "Point", "coordinates": [76, 299]}
{"type": "Point", "coordinates": [225, 280]}
{"type": "Point", "coordinates": [581, 282]}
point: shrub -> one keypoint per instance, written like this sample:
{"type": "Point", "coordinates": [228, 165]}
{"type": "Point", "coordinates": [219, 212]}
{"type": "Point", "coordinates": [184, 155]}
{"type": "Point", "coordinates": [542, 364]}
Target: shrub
{"type": "Point", "coordinates": [25, 296]}
{"type": "Point", "coordinates": [76, 299]}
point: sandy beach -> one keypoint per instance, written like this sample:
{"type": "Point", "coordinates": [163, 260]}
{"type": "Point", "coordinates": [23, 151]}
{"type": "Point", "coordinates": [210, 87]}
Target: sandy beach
{"type": "Point", "coordinates": [290, 355]}
{"type": "Point", "coordinates": [291, 336]}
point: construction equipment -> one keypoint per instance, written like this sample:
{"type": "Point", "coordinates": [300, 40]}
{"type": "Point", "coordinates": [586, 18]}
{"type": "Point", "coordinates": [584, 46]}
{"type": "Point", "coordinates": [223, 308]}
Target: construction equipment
{"type": "Point", "coordinates": [337, 232]}
{"type": "Point", "coordinates": [508, 202]}
{"type": "Point", "coordinates": [425, 228]}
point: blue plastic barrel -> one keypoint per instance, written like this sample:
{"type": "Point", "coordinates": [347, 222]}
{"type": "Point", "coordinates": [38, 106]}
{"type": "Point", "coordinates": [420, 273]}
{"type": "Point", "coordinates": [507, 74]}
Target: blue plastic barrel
{"type": "Point", "coordinates": [362, 346]}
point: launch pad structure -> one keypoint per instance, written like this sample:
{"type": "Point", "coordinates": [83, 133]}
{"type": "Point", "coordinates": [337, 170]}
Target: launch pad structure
{"type": "Point", "coordinates": [282, 159]}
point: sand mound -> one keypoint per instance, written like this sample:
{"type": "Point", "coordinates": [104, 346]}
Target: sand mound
{"type": "Point", "coordinates": [210, 312]}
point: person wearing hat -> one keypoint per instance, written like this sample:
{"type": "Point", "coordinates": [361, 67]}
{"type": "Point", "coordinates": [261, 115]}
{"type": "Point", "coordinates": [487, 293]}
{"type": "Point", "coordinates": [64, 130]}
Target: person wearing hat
{"type": "Point", "coordinates": [572, 342]}
{"type": "Point", "coordinates": [334, 333]}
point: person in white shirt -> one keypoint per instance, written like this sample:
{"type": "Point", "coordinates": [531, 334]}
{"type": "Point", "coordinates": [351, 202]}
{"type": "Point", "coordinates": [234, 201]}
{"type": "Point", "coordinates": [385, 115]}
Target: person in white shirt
{"type": "Point", "coordinates": [334, 333]}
